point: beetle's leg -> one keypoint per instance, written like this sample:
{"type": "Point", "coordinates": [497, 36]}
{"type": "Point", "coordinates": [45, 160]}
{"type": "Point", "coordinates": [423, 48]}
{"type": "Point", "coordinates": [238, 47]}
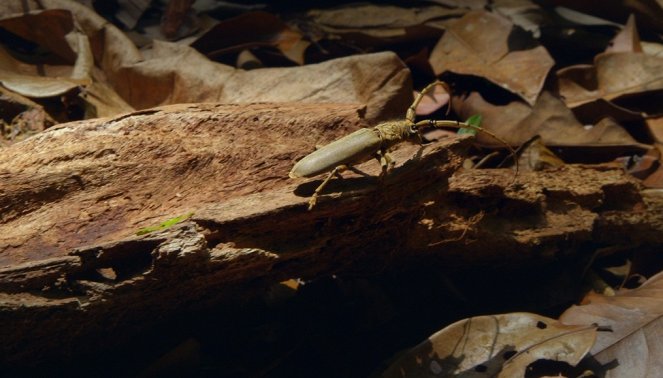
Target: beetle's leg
{"type": "Point", "coordinates": [314, 198]}
{"type": "Point", "coordinates": [411, 111]}
{"type": "Point", "coordinates": [386, 162]}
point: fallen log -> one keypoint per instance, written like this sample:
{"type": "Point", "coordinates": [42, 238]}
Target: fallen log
{"type": "Point", "coordinates": [74, 271]}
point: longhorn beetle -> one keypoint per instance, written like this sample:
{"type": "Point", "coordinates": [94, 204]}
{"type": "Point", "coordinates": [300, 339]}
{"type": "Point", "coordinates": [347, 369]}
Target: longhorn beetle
{"type": "Point", "coordinates": [367, 143]}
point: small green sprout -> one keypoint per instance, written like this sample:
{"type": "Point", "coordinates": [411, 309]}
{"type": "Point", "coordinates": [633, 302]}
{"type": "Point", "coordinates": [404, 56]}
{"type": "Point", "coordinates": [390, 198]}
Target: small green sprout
{"type": "Point", "coordinates": [164, 225]}
{"type": "Point", "coordinates": [475, 120]}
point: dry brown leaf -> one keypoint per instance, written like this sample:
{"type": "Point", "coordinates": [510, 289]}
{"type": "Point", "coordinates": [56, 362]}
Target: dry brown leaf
{"type": "Point", "coordinates": [420, 68]}
{"type": "Point", "coordinates": [652, 48]}
{"type": "Point", "coordinates": [479, 44]}
{"type": "Point", "coordinates": [29, 80]}
{"type": "Point", "coordinates": [174, 17]}
{"type": "Point", "coordinates": [655, 179]}
{"type": "Point", "coordinates": [247, 61]}
{"type": "Point", "coordinates": [171, 74]}
{"type": "Point", "coordinates": [642, 166]}
{"type": "Point", "coordinates": [628, 40]}
{"type": "Point", "coordinates": [517, 122]}
{"type": "Point", "coordinates": [470, 4]}
{"type": "Point", "coordinates": [91, 39]}
{"type": "Point", "coordinates": [655, 126]}
{"type": "Point", "coordinates": [54, 25]}
{"type": "Point", "coordinates": [586, 19]}
{"type": "Point", "coordinates": [353, 28]}
{"type": "Point", "coordinates": [634, 347]}
{"type": "Point", "coordinates": [110, 47]}
{"type": "Point", "coordinates": [535, 156]}
{"type": "Point", "coordinates": [379, 80]}
{"type": "Point", "coordinates": [484, 346]}
{"type": "Point", "coordinates": [36, 86]}
{"type": "Point", "coordinates": [103, 101]}
{"type": "Point", "coordinates": [569, 347]}
{"type": "Point", "coordinates": [570, 37]}
{"type": "Point", "coordinates": [612, 75]}
{"type": "Point", "coordinates": [593, 112]}
{"type": "Point", "coordinates": [380, 21]}
{"type": "Point", "coordinates": [194, 26]}
{"type": "Point", "coordinates": [623, 69]}
{"type": "Point", "coordinates": [252, 30]}
{"type": "Point", "coordinates": [20, 117]}
{"type": "Point", "coordinates": [523, 13]}
{"type": "Point", "coordinates": [130, 11]}
{"type": "Point", "coordinates": [648, 12]}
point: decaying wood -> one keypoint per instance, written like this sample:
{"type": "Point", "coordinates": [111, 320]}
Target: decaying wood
{"type": "Point", "coordinates": [73, 198]}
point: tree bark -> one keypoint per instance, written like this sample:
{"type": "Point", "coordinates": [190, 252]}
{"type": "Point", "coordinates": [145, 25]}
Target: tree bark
{"type": "Point", "coordinates": [73, 198]}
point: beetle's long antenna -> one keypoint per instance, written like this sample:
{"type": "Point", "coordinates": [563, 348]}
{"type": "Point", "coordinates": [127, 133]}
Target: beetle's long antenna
{"type": "Point", "coordinates": [412, 110]}
{"type": "Point", "coordinates": [463, 125]}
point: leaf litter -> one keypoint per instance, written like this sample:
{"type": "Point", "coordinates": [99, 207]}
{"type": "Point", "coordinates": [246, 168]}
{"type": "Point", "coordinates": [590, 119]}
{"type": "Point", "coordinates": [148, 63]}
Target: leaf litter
{"type": "Point", "coordinates": [632, 347]}
{"type": "Point", "coordinates": [531, 92]}
{"type": "Point", "coordinates": [494, 346]}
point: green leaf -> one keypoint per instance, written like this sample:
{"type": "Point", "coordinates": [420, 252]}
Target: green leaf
{"type": "Point", "coordinates": [474, 120]}
{"type": "Point", "coordinates": [164, 225]}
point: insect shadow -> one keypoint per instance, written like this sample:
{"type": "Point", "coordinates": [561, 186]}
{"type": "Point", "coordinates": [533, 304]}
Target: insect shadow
{"type": "Point", "coordinates": [354, 183]}
{"type": "Point", "coordinates": [362, 181]}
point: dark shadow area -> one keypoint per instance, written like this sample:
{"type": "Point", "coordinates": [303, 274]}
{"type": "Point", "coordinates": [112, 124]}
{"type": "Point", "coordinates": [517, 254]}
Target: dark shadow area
{"type": "Point", "coordinates": [590, 368]}
{"type": "Point", "coordinates": [335, 326]}
{"type": "Point", "coordinates": [336, 184]}
{"type": "Point", "coordinates": [520, 40]}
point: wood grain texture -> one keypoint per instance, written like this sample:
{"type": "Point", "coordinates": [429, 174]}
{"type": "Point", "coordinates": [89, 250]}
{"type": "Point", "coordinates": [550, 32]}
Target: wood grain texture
{"type": "Point", "coordinates": [73, 197]}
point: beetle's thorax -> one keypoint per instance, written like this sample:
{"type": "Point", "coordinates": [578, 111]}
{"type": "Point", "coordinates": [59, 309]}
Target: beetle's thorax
{"type": "Point", "coordinates": [393, 132]}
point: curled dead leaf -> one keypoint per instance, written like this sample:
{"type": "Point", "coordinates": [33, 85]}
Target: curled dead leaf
{"type": "Point", "coordinates": [26, 79]}
{"type": "Point", "coordinates": [627, 40]}
{"type": "Point", "coordinates": [643, 166]}
{"type": "Point", "coordinates": [41, 86]}
{"type": "Point", "coordinates": [485, 346]}
{"type": "Point", "coordinates": [516, 122]}
{"type": "Point", "coordinates": [471, 4]}
{"type": "Point", "coordinates": [569, 346]}
{"type": "Point", "coordinates": [378, 20]}
{"type": "Point", "coordinates": [648, 12]}
{"type": "Point", "coordinates": [484, 44]}
{"type": "Point", "coordinates": [347, 29]}
{"type": "Point", "coordinates": [535, 156]}
{"type": "Point", "coordinates": [111, 48]}
{"type": "Point", "coordinates": [249, 30]}
{"type": "Point", "coordinates": [381, 81]}
{"type": "Point", "coordinates": [523, 13]}
{"type": "Point", "coordinates": [170, 74]}
{"type": "Point", "coordinates": [655, 127]}
{"type": "Point", "coordinates": [54, 26]}
{"type": "Point", "coordinates": [20, 117]}
{"type": "Point", "coordinates": [613, 74]}
{"type": "Point", "coordinates": [77, 35]}
{"type": "Point", "coordinates": [632, 348]}
{"type": "Point", "coordinates": [174, 17]}
{"type": "Point", "coordinates": [129, 12]}
{"type": "Point", "coordinates": [617, 78]}
{"type": "Point", "coordinates": [652, 48]}
{"type": "Point", "coordinates": [651, 162]}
